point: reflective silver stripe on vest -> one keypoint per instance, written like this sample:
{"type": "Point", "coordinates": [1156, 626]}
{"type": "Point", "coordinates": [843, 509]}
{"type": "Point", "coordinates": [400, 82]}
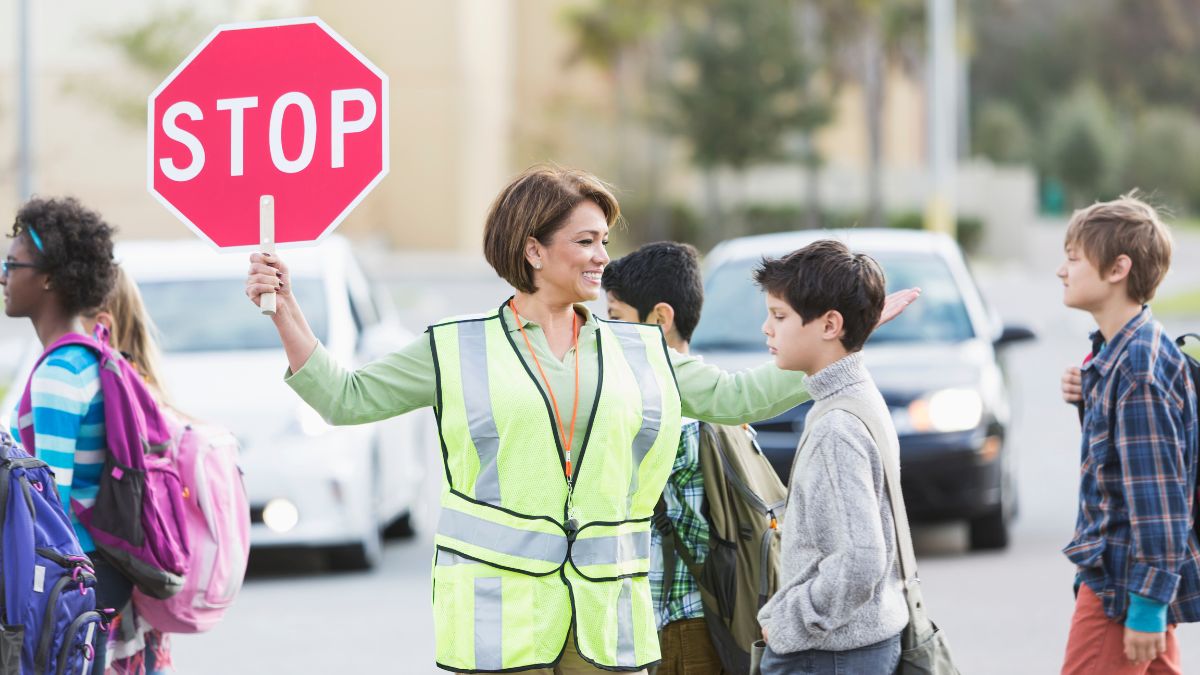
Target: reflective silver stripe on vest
{"type": "Point", "coordinates": [489, 624]}
{"type": "Point", "coordinates": [472, 356]}
{"type": "Point", "coordinates": [448, 559]}
{"type": "Point", "coordinates": [635, 355]}
{"type": "Point", "coordinates": [501, 538]}
{"type": "Point", "coordinates": [626, 656]}
{"type": "Point", "coordinates": [614, 550]}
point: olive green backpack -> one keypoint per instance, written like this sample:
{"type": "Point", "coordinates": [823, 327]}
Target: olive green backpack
{"type": "Point", "coordinates": [745, 507]}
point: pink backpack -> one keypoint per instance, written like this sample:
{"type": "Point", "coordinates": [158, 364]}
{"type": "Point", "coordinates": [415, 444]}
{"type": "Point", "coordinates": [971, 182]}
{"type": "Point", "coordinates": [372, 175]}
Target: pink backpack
{"type": "Point", "coordinates": [137, 519]}
{"type": "Point", "coordinates": [217, 514]}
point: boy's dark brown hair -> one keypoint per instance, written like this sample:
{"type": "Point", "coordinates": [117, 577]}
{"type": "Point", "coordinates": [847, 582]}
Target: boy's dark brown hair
{"type": "Point", "coordinates": [536, 204]}
{"type": "Point", "coordinates": [665, 271]}
{"type": "Point", "coordinates": [824, 276]}
{"type": "Point", "coordinates": [1128, 226]}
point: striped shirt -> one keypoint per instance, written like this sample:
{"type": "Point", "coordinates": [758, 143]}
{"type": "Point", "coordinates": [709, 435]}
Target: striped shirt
{"type": "Point", "coordinates": [68, 426]}
{"type": "Point", "coordinates": [1133, 544]}
{"type": "Point", "coordinates": [684, 499]}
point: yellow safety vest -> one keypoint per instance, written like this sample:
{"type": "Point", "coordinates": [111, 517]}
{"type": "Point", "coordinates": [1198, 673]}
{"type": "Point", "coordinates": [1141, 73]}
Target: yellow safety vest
{"type": "Point", "coordinates": [511, 573]}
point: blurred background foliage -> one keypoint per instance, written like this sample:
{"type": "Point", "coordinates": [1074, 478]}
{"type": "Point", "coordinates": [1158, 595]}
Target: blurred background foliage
{"type": "Point", "coordinates": [1102, 96]}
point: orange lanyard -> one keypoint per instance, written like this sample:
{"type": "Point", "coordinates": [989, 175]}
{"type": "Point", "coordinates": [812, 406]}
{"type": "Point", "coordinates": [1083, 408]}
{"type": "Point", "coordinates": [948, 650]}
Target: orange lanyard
{"type": "Point", "coordinates": [567, 438]}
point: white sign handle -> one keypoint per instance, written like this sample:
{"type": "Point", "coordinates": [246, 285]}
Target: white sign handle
{"type": "Point", "coordinates": [266, 235]}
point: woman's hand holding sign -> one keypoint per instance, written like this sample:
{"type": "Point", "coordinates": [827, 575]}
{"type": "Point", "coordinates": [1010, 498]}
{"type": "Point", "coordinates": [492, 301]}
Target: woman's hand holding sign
{"type": "Point", "coordinates": [269, 274]}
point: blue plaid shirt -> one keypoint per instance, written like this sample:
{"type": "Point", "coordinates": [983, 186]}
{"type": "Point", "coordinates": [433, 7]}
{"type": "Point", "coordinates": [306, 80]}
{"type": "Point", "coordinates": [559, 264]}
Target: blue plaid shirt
{"type": "Point", "coordinates": [1134, 533]}
{"type": "Point", "coordinates": [684, 498]}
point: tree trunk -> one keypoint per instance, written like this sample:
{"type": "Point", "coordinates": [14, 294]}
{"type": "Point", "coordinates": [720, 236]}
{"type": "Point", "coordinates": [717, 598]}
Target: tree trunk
{"type": "Point", "coordinates": [712, 207]}
{"type": "Point", "coordinates": [873, 99]}
{"type": "Point", "coordinates": [805, 18]}
{"type": "Point", "coordinates": [814, 218]}
{"type": "Point", "coordinates": [657, 208]}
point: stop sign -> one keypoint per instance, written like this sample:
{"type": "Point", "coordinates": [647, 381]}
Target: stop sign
{"type": "Point", "coordinates": [281, 108]}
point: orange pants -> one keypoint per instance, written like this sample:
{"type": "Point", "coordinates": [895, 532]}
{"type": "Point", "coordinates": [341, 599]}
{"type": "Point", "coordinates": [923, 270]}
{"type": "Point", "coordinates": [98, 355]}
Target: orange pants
{"type": "Point", "coordinates": [1096, 645]}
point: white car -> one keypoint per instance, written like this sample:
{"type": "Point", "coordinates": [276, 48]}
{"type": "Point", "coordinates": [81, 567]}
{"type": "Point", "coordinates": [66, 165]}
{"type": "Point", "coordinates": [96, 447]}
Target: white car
{"type": "Point", "coordinates": [310, 484]}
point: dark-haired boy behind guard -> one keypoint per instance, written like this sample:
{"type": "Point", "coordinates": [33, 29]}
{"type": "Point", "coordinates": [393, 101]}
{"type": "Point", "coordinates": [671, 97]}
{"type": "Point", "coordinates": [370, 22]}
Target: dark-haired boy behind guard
{"type": "Point", "coordinates": [661, 284]}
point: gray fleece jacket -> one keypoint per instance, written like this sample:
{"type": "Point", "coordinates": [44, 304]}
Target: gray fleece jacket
{"type": "Point", "coordinates": [839, 585]}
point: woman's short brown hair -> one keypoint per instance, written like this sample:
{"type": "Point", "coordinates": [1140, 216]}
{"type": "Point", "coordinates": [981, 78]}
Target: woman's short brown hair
{"type": "Point", "coordinates": [1126, 226]}
{"type": "Point", "coordinates": [535, 204]}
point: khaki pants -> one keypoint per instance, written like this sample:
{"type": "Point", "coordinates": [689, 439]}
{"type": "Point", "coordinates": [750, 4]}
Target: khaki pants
{"type": "Point", "coordinates": [687, 649]}
{"type": "Point", "coordinates": [571, 664]}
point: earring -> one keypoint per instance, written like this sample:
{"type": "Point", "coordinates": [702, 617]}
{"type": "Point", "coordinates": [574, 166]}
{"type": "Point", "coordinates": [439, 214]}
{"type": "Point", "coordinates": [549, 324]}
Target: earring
{"type": "Point", "coordinates": [537, 266]}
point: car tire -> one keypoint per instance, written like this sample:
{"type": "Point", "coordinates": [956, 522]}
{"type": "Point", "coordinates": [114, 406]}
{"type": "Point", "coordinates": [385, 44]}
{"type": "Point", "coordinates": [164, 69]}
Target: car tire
{"type": "Point", "coordinates": [401, 527]}
{"type": "Point", "coordinates": [990, 532]}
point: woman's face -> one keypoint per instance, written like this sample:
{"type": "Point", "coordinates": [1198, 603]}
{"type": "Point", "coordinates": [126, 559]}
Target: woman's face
{"type": "Point", "coordinates": [24, 287]}
{"type": "Point", "coordinates": [573, 261]}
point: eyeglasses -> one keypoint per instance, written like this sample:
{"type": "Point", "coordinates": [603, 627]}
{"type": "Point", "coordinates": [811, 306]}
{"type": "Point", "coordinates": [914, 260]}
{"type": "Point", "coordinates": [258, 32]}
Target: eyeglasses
{"type": "Point", "coordinates": [6, 265]}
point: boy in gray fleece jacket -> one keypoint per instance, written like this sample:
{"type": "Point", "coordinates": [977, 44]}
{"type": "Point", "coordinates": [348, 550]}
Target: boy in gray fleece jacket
{"type": "Point", "coordinates": [840, 606]}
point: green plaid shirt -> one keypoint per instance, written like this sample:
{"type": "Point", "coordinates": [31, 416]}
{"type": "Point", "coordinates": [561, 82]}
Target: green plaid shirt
{"type": "Point", "coordinates": [684, 497]}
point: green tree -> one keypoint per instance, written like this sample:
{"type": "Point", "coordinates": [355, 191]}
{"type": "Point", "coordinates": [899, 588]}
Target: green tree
{"type": "Point", "coordinates": [726, 76]}
{"type": "Point", "coordinates": [152, 47]}
{"type": "Point", "coordinates": [1081, 146]}
{"type": "Point", "coordinates": [739, 88]}
{"type": "Point", "coordinates": [1163, 158]}
{"type": "Point", "coordinates": [1002, 134]}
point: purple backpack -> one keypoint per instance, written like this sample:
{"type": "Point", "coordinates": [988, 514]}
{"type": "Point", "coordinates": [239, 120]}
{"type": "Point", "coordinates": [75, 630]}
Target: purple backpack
{"type": "Point", "coordinates": [48, 617]}
{"type": "Point", "coordinates": [137, 520]}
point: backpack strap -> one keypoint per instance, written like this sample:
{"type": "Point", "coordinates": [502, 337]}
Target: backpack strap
{"type": "Point", "coordinates": [5, 478]}
{"type": "Point", "coordinates": [672, 546]}
{"type": "Point", "coordinates": [26, 404]}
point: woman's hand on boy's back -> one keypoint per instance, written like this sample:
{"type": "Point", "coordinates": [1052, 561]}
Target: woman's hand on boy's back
{"type": "Point", "coordinates": [895, 303]}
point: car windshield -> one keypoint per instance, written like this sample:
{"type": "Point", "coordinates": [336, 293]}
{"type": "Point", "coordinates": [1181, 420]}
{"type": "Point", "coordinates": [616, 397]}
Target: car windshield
{"type": "Point", "coordinates": [734, 308]}
{"type": "Point", "coordinates": [213, 315]}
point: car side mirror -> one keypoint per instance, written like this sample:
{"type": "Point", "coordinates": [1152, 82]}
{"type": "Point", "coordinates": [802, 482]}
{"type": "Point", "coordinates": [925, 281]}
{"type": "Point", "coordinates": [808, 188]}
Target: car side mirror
{"type": "Point", "coordinates": [1012, 335]}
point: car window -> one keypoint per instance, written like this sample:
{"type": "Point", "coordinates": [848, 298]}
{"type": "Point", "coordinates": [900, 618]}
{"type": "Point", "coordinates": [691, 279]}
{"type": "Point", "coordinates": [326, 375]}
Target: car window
{"type": "Point", "coordinates": [214, 315]}
{"type": "Point", "coordinates": [734, 307]}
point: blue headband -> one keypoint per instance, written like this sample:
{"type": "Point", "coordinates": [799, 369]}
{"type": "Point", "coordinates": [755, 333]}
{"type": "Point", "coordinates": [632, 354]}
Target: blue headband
{"type": "Point", "coordinates": [37, 241]}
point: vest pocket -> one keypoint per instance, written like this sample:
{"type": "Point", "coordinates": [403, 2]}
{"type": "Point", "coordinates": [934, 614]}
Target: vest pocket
{"type": "Point", "coordinates": [486, 619]}
{"type": "Point", "coordinates": [11, 639]}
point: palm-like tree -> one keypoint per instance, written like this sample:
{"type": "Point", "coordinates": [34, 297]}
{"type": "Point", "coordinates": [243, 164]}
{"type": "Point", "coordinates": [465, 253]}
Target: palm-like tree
{"type": "Point", "coordinates": [859, 40]}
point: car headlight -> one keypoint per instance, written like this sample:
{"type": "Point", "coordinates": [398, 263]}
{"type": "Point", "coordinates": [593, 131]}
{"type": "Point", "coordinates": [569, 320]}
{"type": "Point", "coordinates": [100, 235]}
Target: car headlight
{"type": "Point", "coordinates": [310, 422]}
{"type": "Point", "coordinates": [946, 410]}
{"type": "Point", "coordinates": [280, 515]}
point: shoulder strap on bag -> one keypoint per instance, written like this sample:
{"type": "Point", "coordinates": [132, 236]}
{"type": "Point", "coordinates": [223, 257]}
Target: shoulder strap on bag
{"type": "Point", "coordinates": [889, 452]}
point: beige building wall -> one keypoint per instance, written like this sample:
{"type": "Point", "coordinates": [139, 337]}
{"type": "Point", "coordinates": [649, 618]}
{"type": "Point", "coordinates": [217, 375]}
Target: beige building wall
{"type": "Point", "coordinates": [479, 89]}
{"type": "Point", "coordinates": [450, 79]}
{"type": "Point", "coordinates": [844, 143]}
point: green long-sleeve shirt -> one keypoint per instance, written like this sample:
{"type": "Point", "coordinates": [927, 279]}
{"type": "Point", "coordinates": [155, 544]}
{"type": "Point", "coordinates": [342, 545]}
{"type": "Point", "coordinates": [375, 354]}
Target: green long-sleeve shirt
{"type": "Point", "coordinates": [405, 380]}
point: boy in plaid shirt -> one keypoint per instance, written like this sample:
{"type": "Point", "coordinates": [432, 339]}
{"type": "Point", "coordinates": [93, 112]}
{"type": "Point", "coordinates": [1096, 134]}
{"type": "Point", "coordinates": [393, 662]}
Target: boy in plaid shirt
{"type": "Point", "coordinates": [661, 283]}
{"type": "Point", "coordinates": [1135, 550]}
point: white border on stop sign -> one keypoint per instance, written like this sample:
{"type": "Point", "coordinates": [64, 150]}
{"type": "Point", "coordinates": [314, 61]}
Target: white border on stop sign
{"type": "Point", "coordinates": [384, 109]}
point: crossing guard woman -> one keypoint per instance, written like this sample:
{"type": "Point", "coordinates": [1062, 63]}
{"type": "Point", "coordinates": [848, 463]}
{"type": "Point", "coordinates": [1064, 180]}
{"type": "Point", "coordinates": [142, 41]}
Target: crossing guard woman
{"type": "Point", "coordinates": [558, 430]}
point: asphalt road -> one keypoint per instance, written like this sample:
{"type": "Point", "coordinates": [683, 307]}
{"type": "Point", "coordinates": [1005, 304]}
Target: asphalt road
{"type": "Point", "coordinates": [1005, 612]}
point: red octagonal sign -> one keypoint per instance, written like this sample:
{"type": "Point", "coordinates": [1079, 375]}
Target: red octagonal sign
{"type": "Point", "coordinates": [281, 108]}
